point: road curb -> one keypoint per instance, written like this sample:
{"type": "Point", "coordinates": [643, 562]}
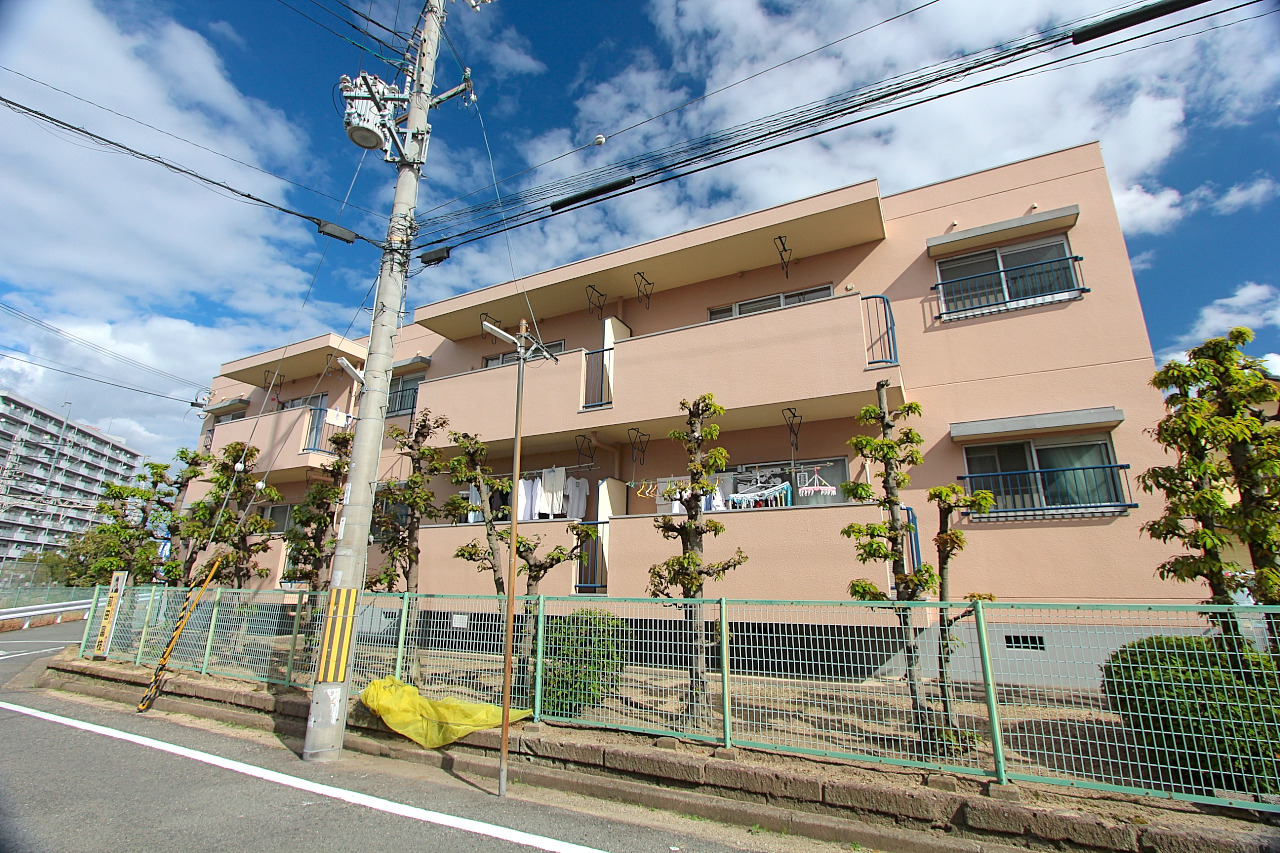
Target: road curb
{"type": "Point", "coordinates": [901, 819]}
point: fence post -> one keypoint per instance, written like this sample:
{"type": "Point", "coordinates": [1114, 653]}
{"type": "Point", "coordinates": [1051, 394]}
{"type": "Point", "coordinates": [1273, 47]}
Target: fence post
{"type": "Point", "coordinates": [293, 640]}
{"type": "Point", "coordinates": [213, 623]}
{"type": "Point", "coordinates": [142, 638]}
{"type": "Point", "coordinates": [726, 705]}
{"type": "Point", "coordinates": [88, 619]}
{"type": "Point", "coordinates": [537, 658]}
{"type": "Point", "coordinates": [989, 688]}
{"type": "Point", "coordinates": [404, 627]}
{"type": "Point", "coordinates": [47, 591]}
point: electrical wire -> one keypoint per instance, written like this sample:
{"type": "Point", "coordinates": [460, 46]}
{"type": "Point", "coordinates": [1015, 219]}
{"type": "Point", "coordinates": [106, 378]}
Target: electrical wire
{"type": "Point", "coordinates": [725, 154]}
{"type": "Point", "coordinates": [93, 379]}
{"type": "Point", "coordinates": [168, 164]}
{"type": "Point", "coordinates": [396, 63]}
{"type": "Point", "coordinates": [100, 350]}
{"type": "Point", "coordinates": [213, 151]}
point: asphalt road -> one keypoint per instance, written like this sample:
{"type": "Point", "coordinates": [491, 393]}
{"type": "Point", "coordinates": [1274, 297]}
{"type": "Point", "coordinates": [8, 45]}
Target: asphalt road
{"type": "Point", "coordinates": [196, 785]}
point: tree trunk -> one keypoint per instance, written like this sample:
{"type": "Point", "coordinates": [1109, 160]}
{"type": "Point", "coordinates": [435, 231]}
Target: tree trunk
{"type": "Point", "coordinates": [491, 536]}
{"type": "Point", "coordinates": [526, 642]}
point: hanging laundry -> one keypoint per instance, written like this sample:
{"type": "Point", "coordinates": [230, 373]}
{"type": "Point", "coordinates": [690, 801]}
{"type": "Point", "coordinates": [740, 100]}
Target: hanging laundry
{"type": "Point", "coordinates": [473, 498]}
{"type": "Point", "coordinates": [575, 490]}
{"type": "Point", "coordinates": [530, 494]}
{"type": "Point", "coordinates": [551, 502]}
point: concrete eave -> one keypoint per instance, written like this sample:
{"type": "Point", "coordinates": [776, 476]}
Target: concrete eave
{"type": "Point", "coordinates": [1105, 418]}
{"type": "Point", "coordinates": [294, 361]}
{"type": "Point", "coordinates": [846, 217]}
{"type": "Point", "coordinates": [1042, 222]}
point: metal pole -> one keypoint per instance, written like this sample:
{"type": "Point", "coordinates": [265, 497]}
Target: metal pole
{"type": "Point", "coordinates": [146, 620]}
{"type": "Point", "coordinates": [88, 619]}
{"type": "Point", "coordinates": [521, 351]}
{"type": "Point", "coordinates": [293, 639]}
{"type": "Point", "coordinates": [404, 625]}
{"type": "Point", "coordinates": [213, 624]}
{"type": "Point", "coordinates": [726, 705]}
{"type": "Point", "coordinates": [539, 657]}
{"type": "Point", "coordinates": [989, 688]}
{"type": "Point", "coordinates": [327, 719]}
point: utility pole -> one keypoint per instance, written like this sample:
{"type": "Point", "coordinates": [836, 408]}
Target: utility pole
{"type": "Point", "coordinates": [371, 123]}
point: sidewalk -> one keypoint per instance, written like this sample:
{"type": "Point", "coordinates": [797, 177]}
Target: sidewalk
{"type": "Point", "coordinates": [875, 806]}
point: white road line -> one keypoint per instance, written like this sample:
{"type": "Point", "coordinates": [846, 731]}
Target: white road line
{"type": "Point", "coordinates": [515, 836]}
{"type": "Point", "coordinates": [6, 655]}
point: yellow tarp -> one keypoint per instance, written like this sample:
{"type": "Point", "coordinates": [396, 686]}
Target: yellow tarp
{"type": "Point", "coordinates": [430, 722]}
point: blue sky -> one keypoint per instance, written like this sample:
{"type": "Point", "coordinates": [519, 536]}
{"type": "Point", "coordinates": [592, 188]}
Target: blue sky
{"type": "Point", "coordinates": [153, 266]}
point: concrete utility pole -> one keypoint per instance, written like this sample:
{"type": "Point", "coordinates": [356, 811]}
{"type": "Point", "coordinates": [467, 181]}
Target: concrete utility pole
{"type": "Point", "coordinates": [371, 124]}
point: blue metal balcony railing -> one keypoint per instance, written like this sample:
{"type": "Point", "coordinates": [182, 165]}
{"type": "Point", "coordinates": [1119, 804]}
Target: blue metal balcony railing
{"type": "Point", "coordinates": [592, 577]}
{"type": "Point", "coordinates": [1047, 492]}
{"type": "Point", "coordinates": [1006, 290]}
{"type": "Point", "coordinates": [882, 337]}
{"type": "Point", "coordinates": [319, 431]}
{"type": "Point", "coordinates": [402, 401]}
{"type": "Point", "coordinates": [597, 391]}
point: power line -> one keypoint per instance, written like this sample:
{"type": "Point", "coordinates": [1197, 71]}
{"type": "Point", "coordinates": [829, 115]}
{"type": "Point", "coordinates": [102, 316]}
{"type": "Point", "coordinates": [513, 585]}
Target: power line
{"type": "Point", "coordinates": [188, 141]}
{"type": "Point", "coordinates": [171, 166]}
{"type": "Point", "coordinates": [395, 63]}
{"type": "Point", "coordinates": [734, 144]}
{"type": "Point", "coordinates": [100, 350]}
{"type": "Point", "coordinates": [90, 378]}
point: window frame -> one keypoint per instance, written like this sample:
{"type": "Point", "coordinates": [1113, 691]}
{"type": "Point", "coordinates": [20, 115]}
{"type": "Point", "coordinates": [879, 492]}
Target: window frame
{"type": "Point", "coordinates": [1036, 488]}
{"type": "Point", "coordinates": [398, 384]}
{"type": "Point", "coordinates": [504, 358]}
{"type": "Point", "coordinates": [1008, 303]}
{"type": "Point", "coordinates": [780, 301]}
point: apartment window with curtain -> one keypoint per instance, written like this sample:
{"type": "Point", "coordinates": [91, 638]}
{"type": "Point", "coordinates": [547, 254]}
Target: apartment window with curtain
{"type": "Point", "coordinates": [1008, 278]}
{"type": "Point", "coordinates": [315, 401]}
{"type": "Point", "coordinates": [1049, 475]}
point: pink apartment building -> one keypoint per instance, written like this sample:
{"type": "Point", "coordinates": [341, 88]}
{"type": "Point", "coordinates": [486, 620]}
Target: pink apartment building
{"type": "Point", "coordinates": [1002, 302]}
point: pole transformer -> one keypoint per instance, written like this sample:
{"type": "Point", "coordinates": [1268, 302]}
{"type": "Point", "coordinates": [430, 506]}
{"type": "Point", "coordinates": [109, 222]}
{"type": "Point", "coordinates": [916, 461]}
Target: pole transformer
{"type": "Point", "coordinates": [372, 120]}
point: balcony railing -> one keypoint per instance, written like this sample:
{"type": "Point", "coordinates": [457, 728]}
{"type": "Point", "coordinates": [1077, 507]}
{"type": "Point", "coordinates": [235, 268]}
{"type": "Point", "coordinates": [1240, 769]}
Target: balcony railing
{"type": "Point", "coordinates": [592, 577]}
{"type": "Point", "coordinates": [320, 430]}
{"type": "Point", "coordinates": [598, 391]}
{"type": "Point", "coordinates": [402, 402]}
{"type": "Point", "coordinates": [1054, 492]}
{"type": "Point", "coordinates": [882, 338]}
{"type": "Point", "coordinates": [1010, 289]}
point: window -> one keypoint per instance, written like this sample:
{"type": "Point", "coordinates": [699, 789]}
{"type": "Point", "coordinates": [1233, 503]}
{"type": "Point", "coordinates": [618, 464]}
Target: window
{"type": "Point", "coordinates": [814, 482]}
{"type": "Point", "coordinates": [766, 303]}
{"type": "Point", "coordinates": [403, 393]}
{"type": "Point", "coordinates": [1051, 475]}
{"type": "Point", "coordinates": [280, 516]}
{"type": "Point", "coordinates": [1005, 279]}
{"type": "Point", "coordinates": [554, 347]}
{"type": "Point", "coordinates": [315, 401]}
{"type": "Point", "coordinates": [229, 416]}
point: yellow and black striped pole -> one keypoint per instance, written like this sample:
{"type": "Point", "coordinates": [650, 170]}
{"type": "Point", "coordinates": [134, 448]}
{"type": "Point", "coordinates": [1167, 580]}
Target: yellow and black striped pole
{"type": "Point", "coordinates": [336, 635]}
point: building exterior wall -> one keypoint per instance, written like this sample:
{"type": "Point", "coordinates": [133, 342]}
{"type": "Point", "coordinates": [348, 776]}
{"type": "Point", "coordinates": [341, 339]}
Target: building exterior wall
{"type": "Point", "coordinates": [55, 470]}
{"type": "Point", "coordinates": [1078, 350]}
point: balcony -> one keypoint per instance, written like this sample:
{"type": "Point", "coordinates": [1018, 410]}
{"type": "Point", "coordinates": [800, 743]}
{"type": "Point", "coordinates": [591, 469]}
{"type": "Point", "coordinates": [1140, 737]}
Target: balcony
{"type": "Point", "coordinates": [1048, 493]}
{"type": "Point", "coordinates": [1010, 289]}
{"type": "Point", "coordinates": [290, 442]}
{"type": "Point", "coordinates": [402, 402]}
{"type": "Point", "coordinates": [815, 356]}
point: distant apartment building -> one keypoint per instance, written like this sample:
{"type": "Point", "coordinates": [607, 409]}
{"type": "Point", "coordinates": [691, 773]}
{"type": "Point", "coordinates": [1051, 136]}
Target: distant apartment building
{"type": "Point", "coordinates": [1001, 301]}
{"type": "Point", "coordinates": [53, 471]}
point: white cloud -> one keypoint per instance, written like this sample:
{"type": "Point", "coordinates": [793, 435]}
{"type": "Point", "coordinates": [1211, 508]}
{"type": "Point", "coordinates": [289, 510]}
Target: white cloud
{"type": "Point", "coordinates": [1142, 211]}
{"type": "Point", "coordinates": [1254, 305]}
{"type": "Point", "coordinates": [1143, 261]}
{"type": "Point", "coordinates": [1253, 194]}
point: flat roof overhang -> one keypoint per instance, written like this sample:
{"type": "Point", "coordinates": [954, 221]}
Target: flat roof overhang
{"type": "Point", "coordinates": [823, 223]}
{"type": "Point", "coordinates": [294, 361]}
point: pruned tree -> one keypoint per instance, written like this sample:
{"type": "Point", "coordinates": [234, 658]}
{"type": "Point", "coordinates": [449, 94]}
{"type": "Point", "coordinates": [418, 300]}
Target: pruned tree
{"type": "Point", "coordinates": [470, 468]}
{"type": "Point", "coordinates": [311, 539]}
{"type": "Point", "coordinates": [1224, 484]}
{"type": "Point", "coordinates": [949, 541]}
{"type": "Point", "coordinates": [893, 452]}
{"type": "Point", "coordinates": [404, 504]}
{"type": "Point", "coordinates": [534, 568]}
{"type": "Point", "coordinates": [223, 524]}
{"type": "Point", "coordinates": [689, 570]}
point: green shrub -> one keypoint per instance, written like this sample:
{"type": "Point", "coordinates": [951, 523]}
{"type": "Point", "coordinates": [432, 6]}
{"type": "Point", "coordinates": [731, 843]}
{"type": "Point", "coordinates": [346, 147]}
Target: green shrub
{"type": "Point", "coordinates": [584, 654]}
{"type": "Point", "coordinates": [1209, 713]}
